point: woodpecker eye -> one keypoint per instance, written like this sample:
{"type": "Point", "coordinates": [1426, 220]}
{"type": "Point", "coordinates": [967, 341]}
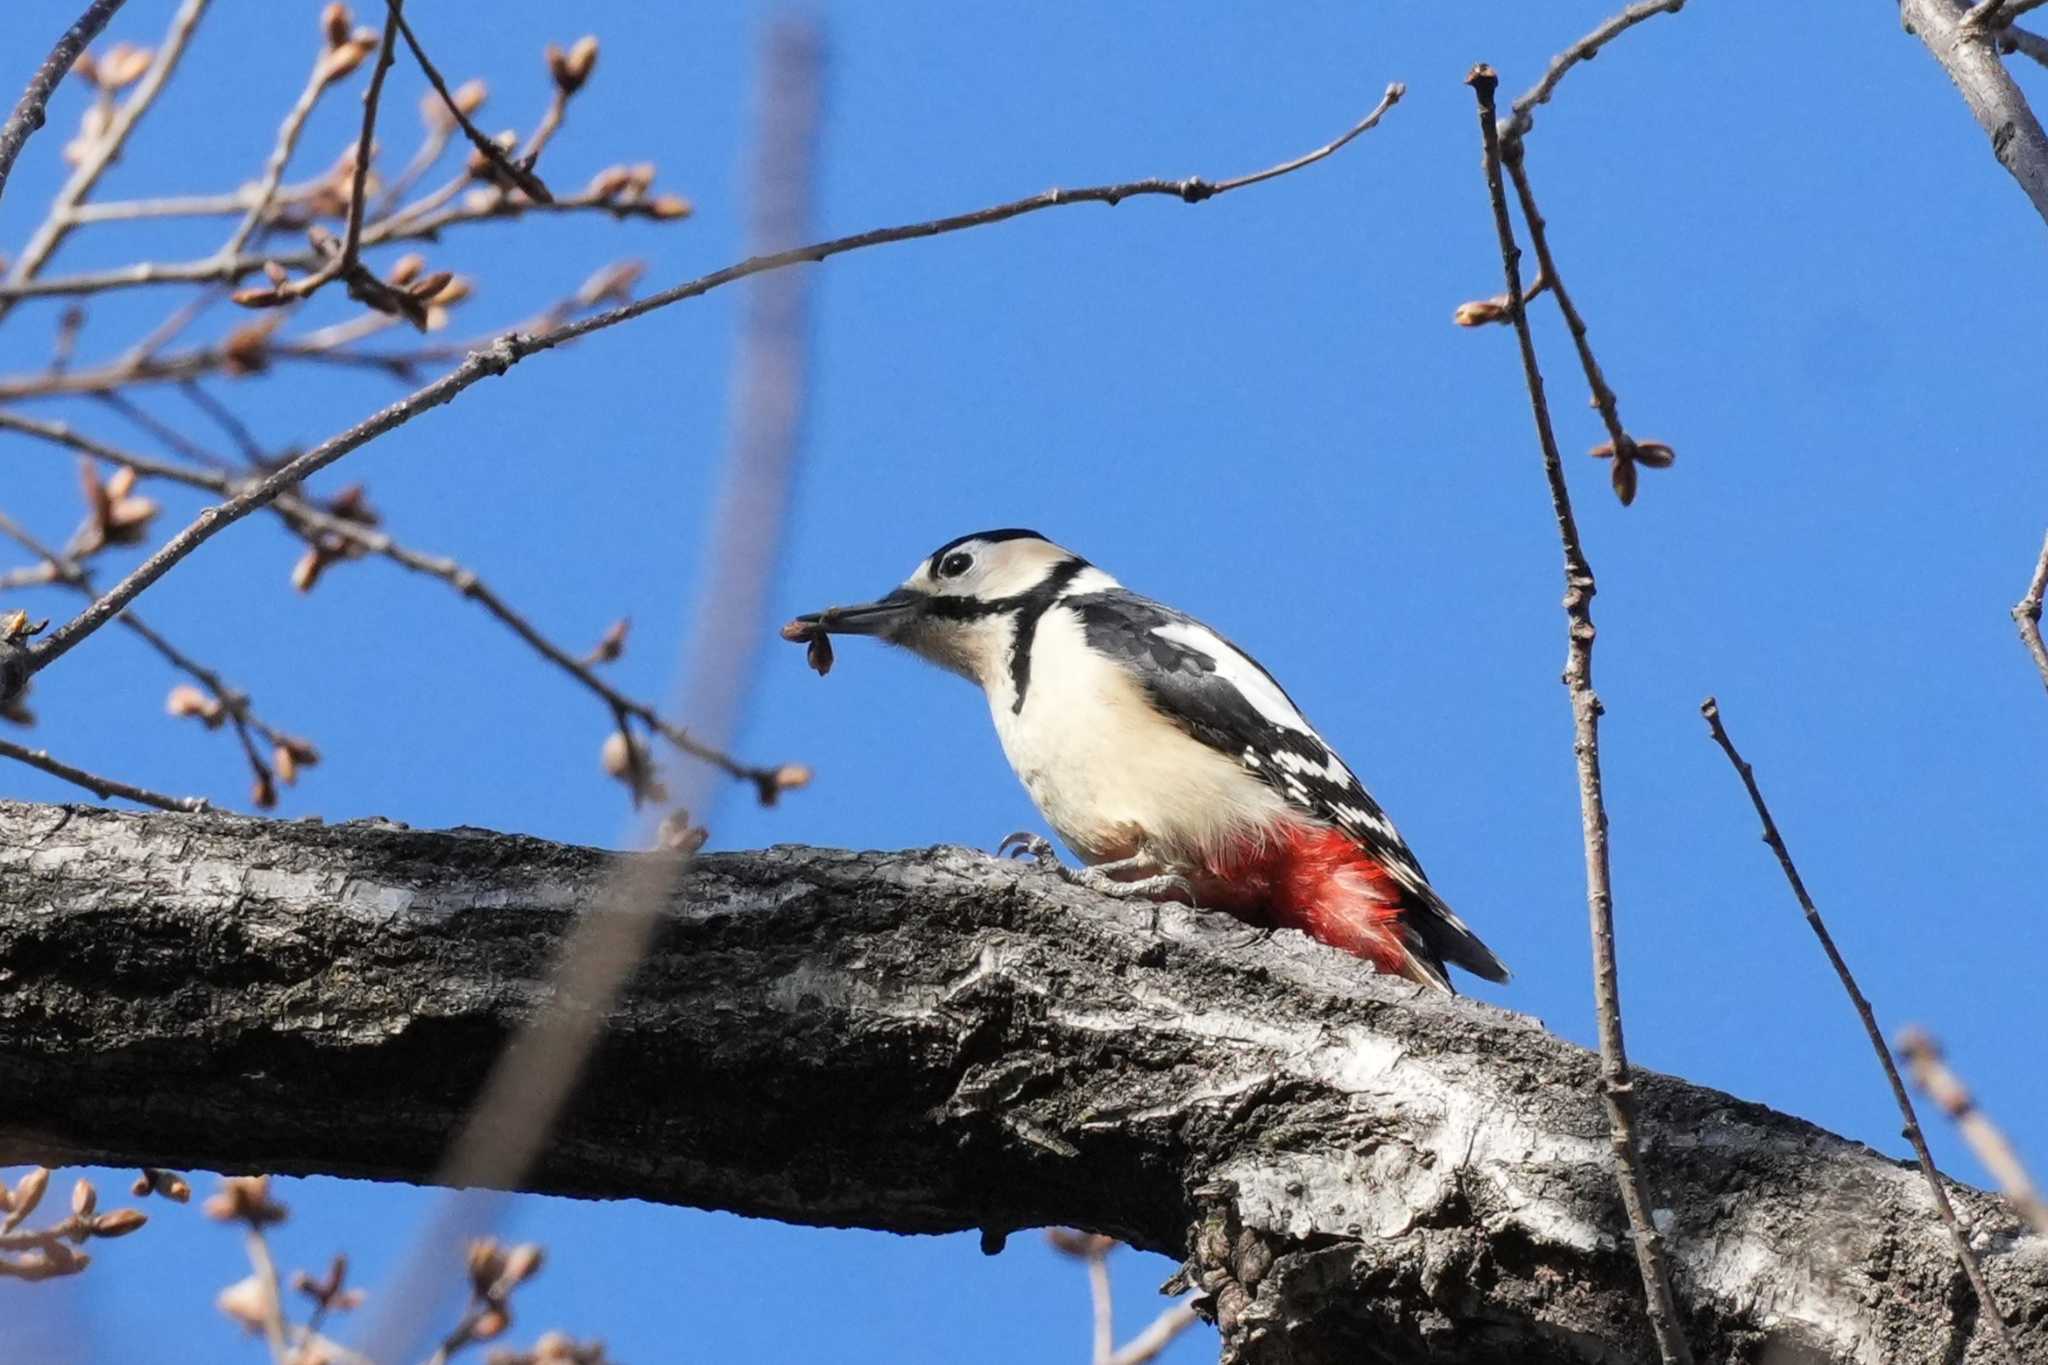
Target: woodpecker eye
{"type": "Point", "coordinates": [955, 564]}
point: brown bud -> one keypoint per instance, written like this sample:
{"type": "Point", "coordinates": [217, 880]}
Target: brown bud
{"type": "Point", "coordinates": [406, 268]}
{"type": "Point", "coordinates": [342, 60]}
{"type": "Point", "coordinates": [246, 350]}
{"type": "Point", "coordinates": [245, 1199]}
{"type": "Point", "coordinates": [1655, 454]}
{"type": "Point", "coordinates": [676, 834]}
{"type": "Point", "coordinates": [522, 1263]}
{"type": "Point", "coordinates": [612, 644]}
{"type": "Point", "coordinates": [608, 182]}
{"type": "Point", "coordinates": [84, 1199]}
{"type": "Point", "coordinates": [1480, 312]}
{"type": "Point", "coordinates": [793, 777]}
{"type": "Point", "coordinates": [287, 767]}
{"type": "Point", "coordinates": [611, 284]}
{"type": "Point", "coordinates": [306, 572]}
{"type": "Point", "coordinates": [247, 1302]}
{"type": "Point", "coordinates": [86, 68]}
{"type": "Point", "coordinates": [485, 1261]}
{"type": "Point", "coordinates": [1085, 1245]}
{"type": "Point", "coordinates": [185, 700]}
{"type": "Point", "coordinates": [670, 206]}
{"type": "Point", "coordinates": [335, 23]}
{"type": "Point", "coordinates": [276, 273]}
{"type": "Point", "coordinates": [490, 1324]}
{"type": "Point", "coordinates": [1624, 473]}
{"type": "Point", "coordinates": [431, 285]}
{"type": "Point", "coordinates": [572, 68]}
{"type": "Point", "coordinates": [118, 1223]}
{"type": "Point", "coordinates": [28, 1192]}
{"type": "Point", "coordinates": [262, 789]}
{"type": "Point", "coordinates": [123, 64]}
{"type": "Point", "coordinates": [257, 298]}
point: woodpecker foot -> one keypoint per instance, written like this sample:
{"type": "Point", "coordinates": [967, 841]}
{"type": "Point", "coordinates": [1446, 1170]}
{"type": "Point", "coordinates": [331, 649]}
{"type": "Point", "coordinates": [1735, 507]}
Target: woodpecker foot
{"type": "Point", "coordinates": [1135, 878]}
{"type": "Point", "coordinates": [1255, 937]}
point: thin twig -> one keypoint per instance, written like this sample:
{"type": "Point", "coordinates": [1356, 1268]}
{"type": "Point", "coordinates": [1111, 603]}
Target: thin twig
{"type": "Point", "coordinates": [1522, 116]}
{"type": "Point", "coordinates": [280, 154]}
{"type": "Point", "coordinates": [1157, 1336]}
{"type": "Point", "coordinates": [1616, 1088]}
{"type": "Point", "coordinates": [304, 516]}
{"type": "Point", "coordinates": [509, 350]}
{"type": "Point", "coordinates": [2026, 614]}
{"type": "Point", "coordinates": [1516, 161]}
{"type": "Point", "coordinates": [1711, 709]}
{"type": "Point", "coordinates": [1102, 1305]}
{"type": "Point", "coordinates": [234, 703]}
{"type": "Point", "coordinates": [1946, 1089]}
{"type": "Point", "coordinates": [346, 261]}
{"type": "Point", "coordinates": [273, 1294]}
{"type": "Point", "coordinates": [58, 224]}
{"type": "Point", "coordinates": [103, 787]}
{"type": "Point", "coordinates": [525, 179]}
{"type": "Point", "coordinates": [27, 118]}
{"type": "Point", "coordinates": [404, 226]}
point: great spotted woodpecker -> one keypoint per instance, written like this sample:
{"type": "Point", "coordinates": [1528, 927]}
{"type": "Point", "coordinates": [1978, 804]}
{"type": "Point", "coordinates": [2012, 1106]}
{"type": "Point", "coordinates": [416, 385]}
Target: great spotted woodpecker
{"type": "Point", "coordinates": [1163, 755]}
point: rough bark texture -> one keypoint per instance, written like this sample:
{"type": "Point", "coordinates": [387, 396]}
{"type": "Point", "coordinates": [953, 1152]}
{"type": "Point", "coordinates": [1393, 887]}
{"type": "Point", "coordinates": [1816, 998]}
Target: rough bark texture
{"type": "Point", "coordinates": [1356, 1171]}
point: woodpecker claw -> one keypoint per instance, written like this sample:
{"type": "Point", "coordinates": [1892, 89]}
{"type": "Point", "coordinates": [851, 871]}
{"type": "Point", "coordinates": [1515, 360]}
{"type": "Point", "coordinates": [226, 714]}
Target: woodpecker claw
{"type": "Point", "coordinates": [1025, 844]}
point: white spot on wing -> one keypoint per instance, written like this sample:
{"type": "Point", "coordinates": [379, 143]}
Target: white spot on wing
{"type": "Point", "coordinates": [1241, 673]}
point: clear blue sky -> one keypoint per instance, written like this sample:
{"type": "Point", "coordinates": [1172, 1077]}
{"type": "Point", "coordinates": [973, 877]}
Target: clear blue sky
{"type": "Point", "coordinates": [1803, 270]}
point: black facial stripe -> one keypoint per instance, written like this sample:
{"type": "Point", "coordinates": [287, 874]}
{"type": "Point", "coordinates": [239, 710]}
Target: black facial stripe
{"type": "Point", "coordinates": [1030, 606]}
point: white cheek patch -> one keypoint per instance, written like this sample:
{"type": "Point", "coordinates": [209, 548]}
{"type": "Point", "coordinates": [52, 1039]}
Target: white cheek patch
{"type": "Point", "coordinates": [1241, 673]}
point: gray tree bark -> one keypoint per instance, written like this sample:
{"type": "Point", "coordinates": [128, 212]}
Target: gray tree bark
{"type": "Point", "coordinates": [1352, 1170]}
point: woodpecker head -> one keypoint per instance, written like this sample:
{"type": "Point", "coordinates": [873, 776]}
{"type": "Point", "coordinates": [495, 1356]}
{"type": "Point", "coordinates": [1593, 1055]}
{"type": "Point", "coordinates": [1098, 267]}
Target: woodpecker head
{"type": "Point", "coordinates": [959, 608]}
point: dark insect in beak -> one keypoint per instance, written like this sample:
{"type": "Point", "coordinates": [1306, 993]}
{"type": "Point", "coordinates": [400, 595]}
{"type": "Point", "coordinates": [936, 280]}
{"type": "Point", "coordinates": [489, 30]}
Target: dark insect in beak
{"type": "Point", "coordinates": [887, 618]}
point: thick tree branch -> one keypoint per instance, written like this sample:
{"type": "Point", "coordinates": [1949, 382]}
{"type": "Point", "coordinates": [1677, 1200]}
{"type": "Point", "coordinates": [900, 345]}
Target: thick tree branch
{"type": "Point", "coordinates": [1358, 1171]}
{"type": "Point", "coordinates": [2026, 614]}
{"type": "Point", "coordinates": [1969, 53]}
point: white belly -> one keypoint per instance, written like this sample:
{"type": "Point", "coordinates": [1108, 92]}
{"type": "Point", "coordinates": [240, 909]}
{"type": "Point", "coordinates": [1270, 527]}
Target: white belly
{"type": "Point", "coordinates": [1109, 773]}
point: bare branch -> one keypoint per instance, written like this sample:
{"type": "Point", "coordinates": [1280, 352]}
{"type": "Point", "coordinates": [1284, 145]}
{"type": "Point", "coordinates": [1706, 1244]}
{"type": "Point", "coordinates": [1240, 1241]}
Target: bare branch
{"type": "Point", "coordinates": [280, 154]}
{"type": "Point", "coordinates": [407, 225]}
{"type": "Point", "coordinates": [1616, 1087]}
{"type": "Point", "coordinates": [1523, 114]}
{"type": "Point", "coordinates": [2026, 614]}
{"type": "Point", "coordinates": [529, 183]}
{"type": "Point", "coordinates": [57, 226]}
{"type": "Point", "coordinates": [1157, 1336]}
{"type": "Point", "coordinates": [509, 350]}
{"type": "Point", "coordinates": [304, 516]}
{"type": "Point", "coordinates": [2031, 44]}
{"type": "Point", "coordinates": [1946, 1089]}
{"type": "Point", "coordinates": [1623, 449]}
{"type": "Point", "coordinates": [232, 702]}
{"type": "Point", "coordinates": [1712, 711]}
{"type": "Point", "coordinates": [1969, 54]}
{"type": "Point", "coordinates": [103, 787]}
{"type": "Point", "coordinates": [28, 116]}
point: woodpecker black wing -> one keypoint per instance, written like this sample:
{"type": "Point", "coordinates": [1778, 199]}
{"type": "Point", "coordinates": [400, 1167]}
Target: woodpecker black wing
{"type": "Point", "coordinates": [1227, 700]}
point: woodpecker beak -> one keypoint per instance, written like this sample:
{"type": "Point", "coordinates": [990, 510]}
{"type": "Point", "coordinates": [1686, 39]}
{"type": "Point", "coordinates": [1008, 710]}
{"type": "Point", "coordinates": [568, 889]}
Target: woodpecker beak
{"type": "Point", "coordinates": [887, 617]}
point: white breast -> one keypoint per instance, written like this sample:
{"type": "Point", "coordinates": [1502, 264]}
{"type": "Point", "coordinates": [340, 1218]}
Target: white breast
{"type": "Point", "coordinates": [1108, 771]}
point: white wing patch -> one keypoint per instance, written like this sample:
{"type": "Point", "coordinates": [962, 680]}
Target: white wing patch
{"type": "Point", "coordinates": [1241, 673]}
